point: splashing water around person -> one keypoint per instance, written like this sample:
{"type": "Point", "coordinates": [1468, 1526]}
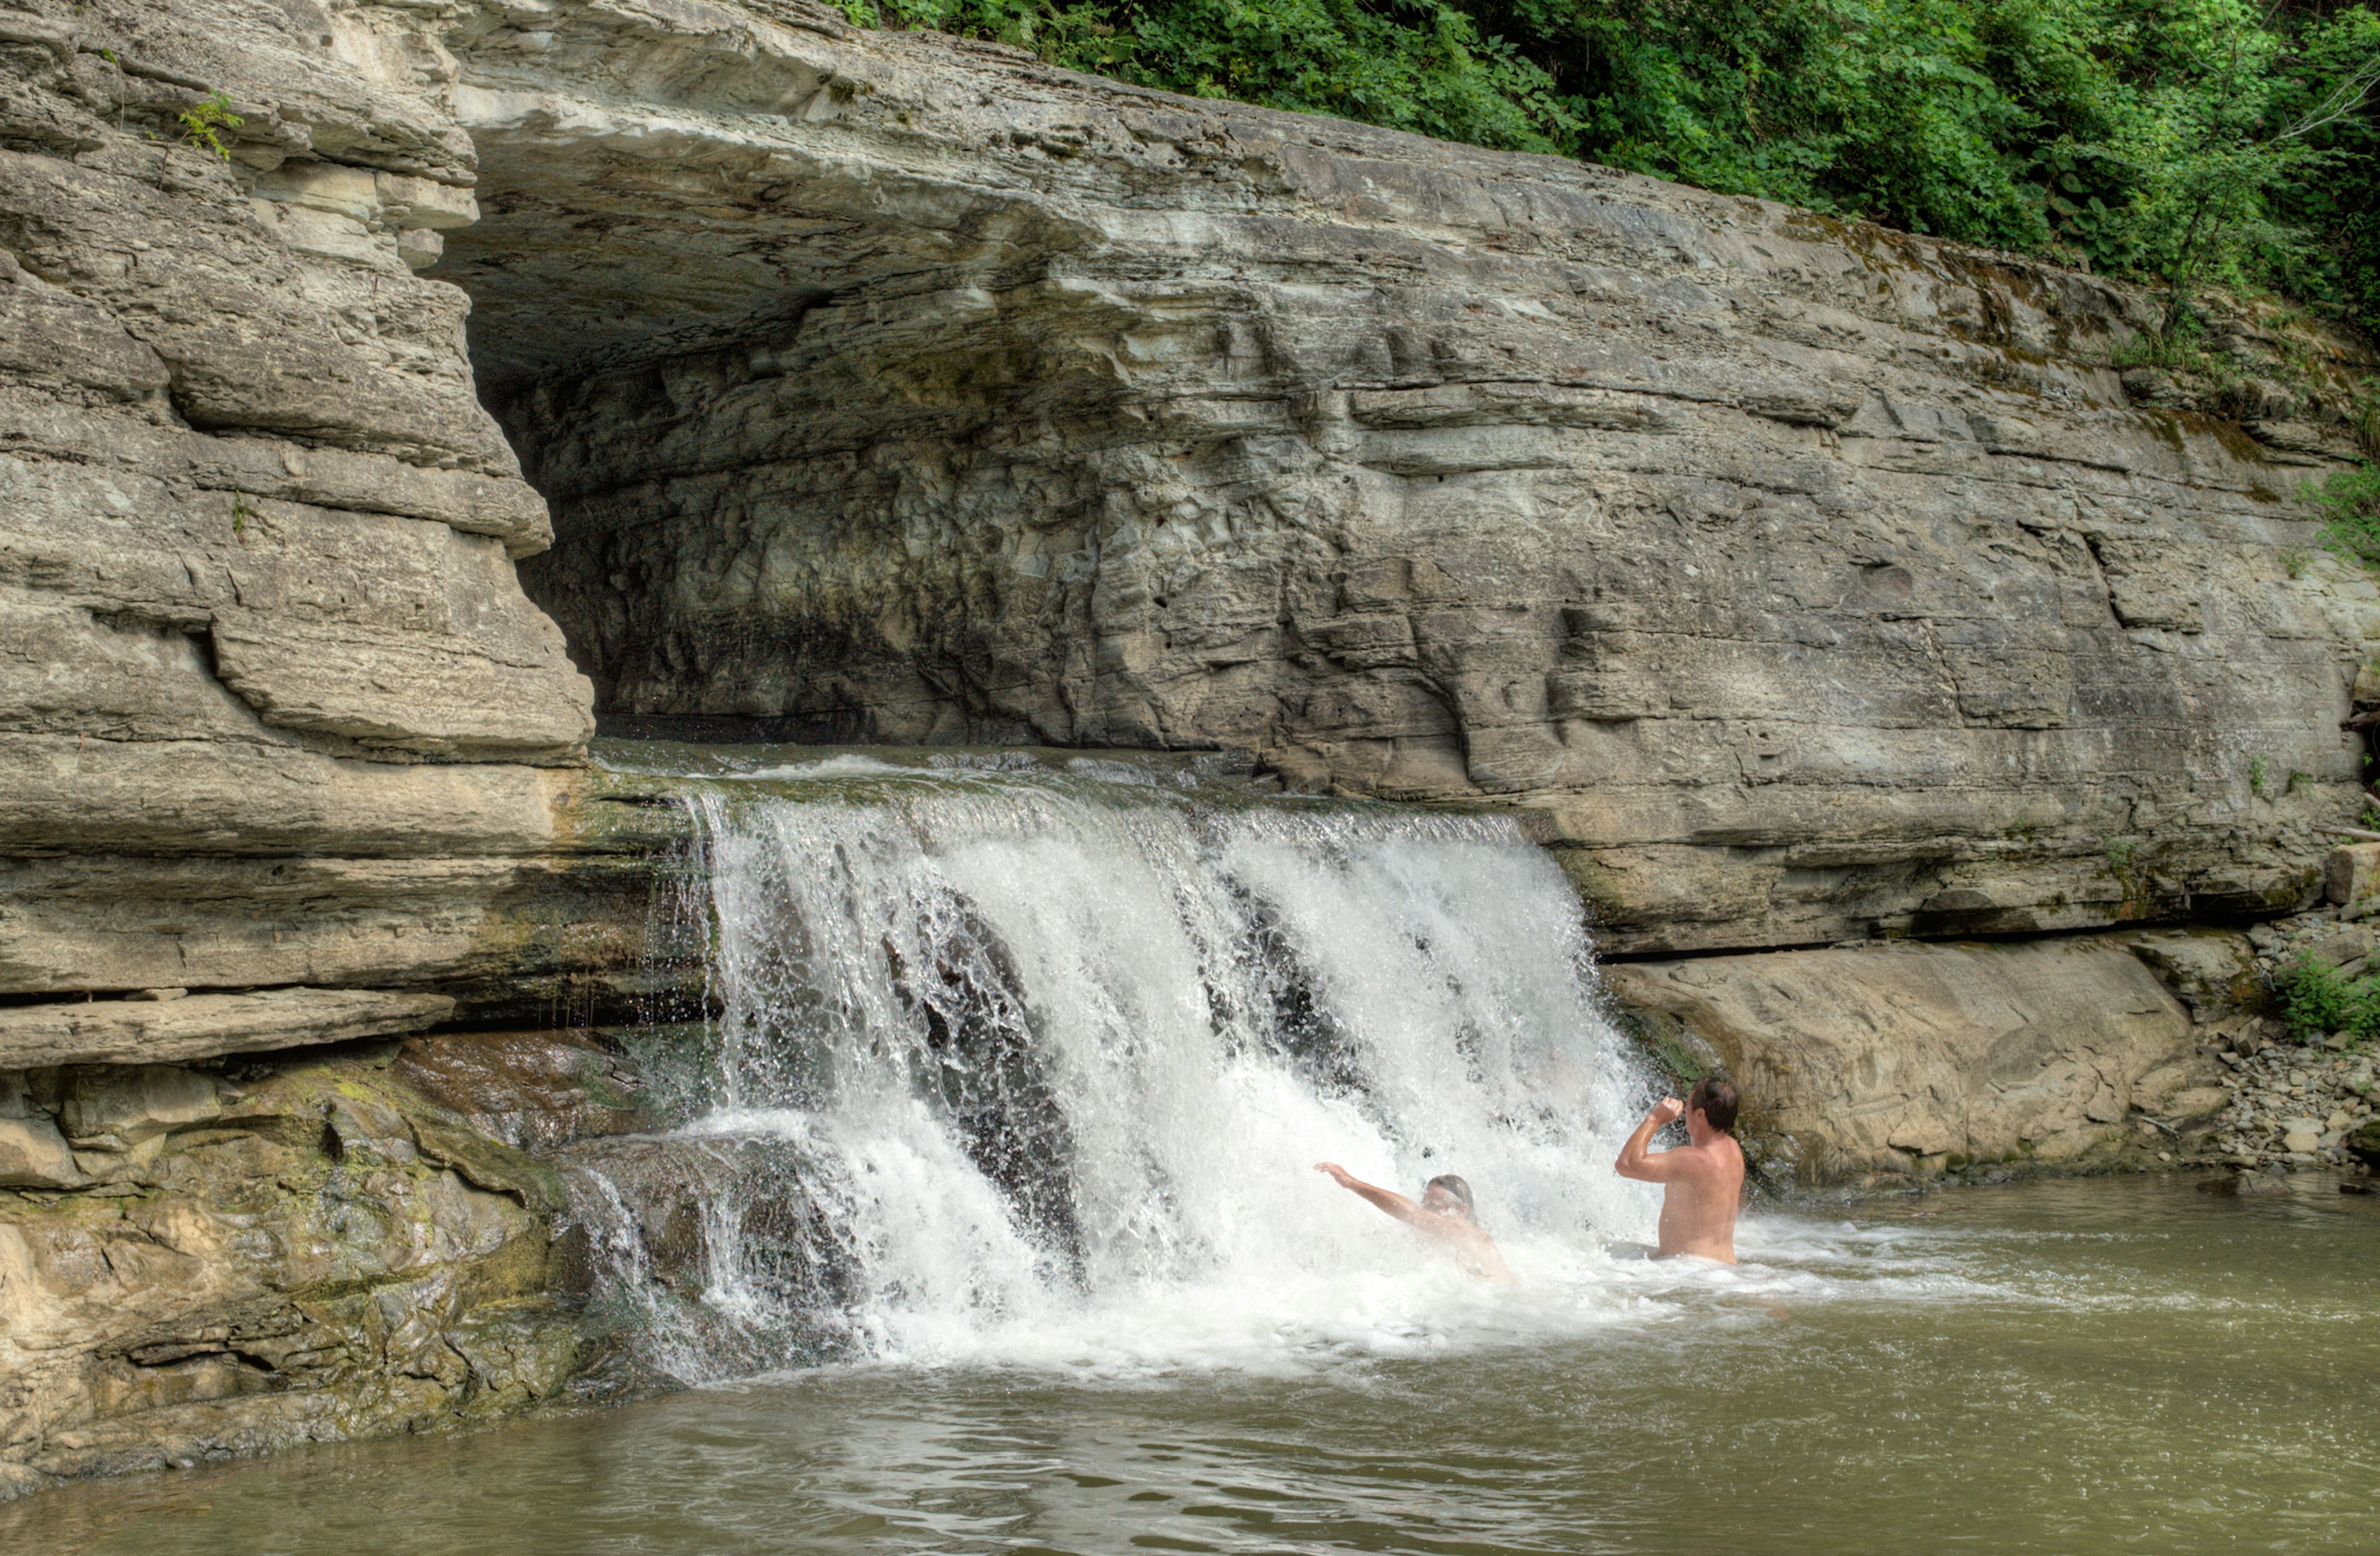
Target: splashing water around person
{"type": "Point", "coordinates": [1049, 1059]}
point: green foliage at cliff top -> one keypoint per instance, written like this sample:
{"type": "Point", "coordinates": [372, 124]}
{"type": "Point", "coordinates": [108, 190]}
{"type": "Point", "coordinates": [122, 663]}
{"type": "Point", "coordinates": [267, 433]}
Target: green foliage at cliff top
{"type": "Point", "coordinates": [2183, 143]}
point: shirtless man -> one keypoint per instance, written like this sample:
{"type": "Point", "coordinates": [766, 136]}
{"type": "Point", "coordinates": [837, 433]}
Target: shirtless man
{"type": "Point", "coordinates": [1444, 1213]}
{"type": "Point", "coordinates": [1701, 1182]}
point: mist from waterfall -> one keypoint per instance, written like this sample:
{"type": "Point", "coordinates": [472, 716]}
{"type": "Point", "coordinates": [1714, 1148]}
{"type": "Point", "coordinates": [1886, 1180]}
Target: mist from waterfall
{"type": "Point", "coordinates": [1046, 1060]}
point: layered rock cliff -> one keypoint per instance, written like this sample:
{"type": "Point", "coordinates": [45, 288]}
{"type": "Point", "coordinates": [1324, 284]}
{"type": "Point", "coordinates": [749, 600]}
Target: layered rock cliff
{"type": "Point", "coordinates": [1808, 580]}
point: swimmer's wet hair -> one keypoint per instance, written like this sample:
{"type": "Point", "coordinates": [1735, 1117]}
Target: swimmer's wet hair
{"type": "Point", "coordinates": [1714, 1096]}
{"type": "Point", "coordinates": [1456, 1187]}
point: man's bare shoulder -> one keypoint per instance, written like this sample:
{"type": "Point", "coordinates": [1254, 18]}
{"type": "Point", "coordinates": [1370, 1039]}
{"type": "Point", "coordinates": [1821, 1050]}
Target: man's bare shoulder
{"type": "Point", "coordinates": [1721, 1157]}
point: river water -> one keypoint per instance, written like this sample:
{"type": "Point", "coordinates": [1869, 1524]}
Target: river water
{"type": "Point", "coordinates": [1022, 1066]}
{"type": "Point", "coordinates": [2110, 1364]}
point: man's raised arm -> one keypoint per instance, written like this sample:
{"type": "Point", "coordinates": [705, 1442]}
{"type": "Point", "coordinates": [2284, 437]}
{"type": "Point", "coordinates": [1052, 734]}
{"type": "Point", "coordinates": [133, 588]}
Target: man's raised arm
{"type": "Point", "coordinates": [1388, 1199]}
{"type": "Point", "coordinates": [1635, 1161]}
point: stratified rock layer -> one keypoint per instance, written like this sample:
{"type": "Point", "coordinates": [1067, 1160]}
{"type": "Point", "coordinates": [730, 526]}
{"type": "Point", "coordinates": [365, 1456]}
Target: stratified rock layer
{"type": "Point", "coordinates": [258, 621]}
{"type": "Point", "coordinates": [1812, 580]}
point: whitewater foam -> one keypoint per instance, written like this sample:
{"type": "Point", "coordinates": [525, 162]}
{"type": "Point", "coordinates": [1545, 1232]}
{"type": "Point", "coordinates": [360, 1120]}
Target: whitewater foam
{"type": "Point", "coordinates": [1054, 1057]}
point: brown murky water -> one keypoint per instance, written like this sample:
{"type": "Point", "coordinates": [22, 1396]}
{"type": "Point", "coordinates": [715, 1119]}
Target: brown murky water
{"type": "Point", "coordinates": [2089, 1366]}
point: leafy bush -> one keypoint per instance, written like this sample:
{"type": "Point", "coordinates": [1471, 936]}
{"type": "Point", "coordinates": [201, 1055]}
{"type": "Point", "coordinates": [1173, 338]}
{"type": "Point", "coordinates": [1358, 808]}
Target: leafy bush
{"type": "Point", "coordinates": [2317, 1000]}
{"type": "Point", "coordinates": [2187, 142]}
{"type": "Point", "coordinates": [2349, 503]}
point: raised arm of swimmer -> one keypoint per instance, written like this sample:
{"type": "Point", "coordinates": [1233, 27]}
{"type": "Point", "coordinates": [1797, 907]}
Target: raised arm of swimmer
{"type": "Point", "coordinates": [1702, 1181]}
{"type": "Point", "coordinates": [1443, 1212]}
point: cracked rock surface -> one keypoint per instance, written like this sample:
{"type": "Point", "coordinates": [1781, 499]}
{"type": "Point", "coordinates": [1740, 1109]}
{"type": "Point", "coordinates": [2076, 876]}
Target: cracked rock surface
{"type": "Point", "coordinates": [203, 1262]}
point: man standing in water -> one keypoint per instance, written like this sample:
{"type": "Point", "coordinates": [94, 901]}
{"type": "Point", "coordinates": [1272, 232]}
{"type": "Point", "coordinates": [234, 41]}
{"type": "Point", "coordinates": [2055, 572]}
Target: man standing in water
{"type": "Point", "coordinates": [1702, 1181]}
{"type": "Point", "coordinates": [1444, 1213]}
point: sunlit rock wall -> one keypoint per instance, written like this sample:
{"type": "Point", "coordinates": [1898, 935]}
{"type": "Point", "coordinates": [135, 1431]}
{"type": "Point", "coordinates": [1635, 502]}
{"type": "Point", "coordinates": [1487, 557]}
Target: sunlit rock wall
{"type": "Point", "coordinates": [1805, 580]}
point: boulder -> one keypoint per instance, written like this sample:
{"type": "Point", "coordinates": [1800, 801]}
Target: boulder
{"type": "Point", "coordinates": [1907, 1057]}
{"type": "Point", "coordinates": [2352, 873]}
{"type": "Point", "coordinates": [34, 1155]}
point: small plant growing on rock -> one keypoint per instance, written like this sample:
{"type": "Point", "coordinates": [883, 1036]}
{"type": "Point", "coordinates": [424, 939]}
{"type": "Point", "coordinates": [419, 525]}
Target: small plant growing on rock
{"type": "Point", "coordinates": [239, 514]}
{"type": "Point", "coordinates": [202, 124]}
{"type": "Point", "coordinates": [2258, 769]}
{"type": "Point", "coordinates": [2295, 559]}
{"type": "Point", "coordinates": [2317, 1000]}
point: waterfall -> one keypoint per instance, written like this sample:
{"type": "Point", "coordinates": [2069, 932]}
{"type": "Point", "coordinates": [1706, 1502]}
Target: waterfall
{"type": "Point", "coordinates": [1029, 1063]}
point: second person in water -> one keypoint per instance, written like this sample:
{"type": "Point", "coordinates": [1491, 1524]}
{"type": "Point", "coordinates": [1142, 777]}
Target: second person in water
{"type": "Point", "coordinates": [1444, 1213]}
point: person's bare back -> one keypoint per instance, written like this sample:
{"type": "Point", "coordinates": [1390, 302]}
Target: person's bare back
{"type": "Point", "coordinates": [1701, 1182]}
{"type": "Point", "coordinates": [1443, 1212]}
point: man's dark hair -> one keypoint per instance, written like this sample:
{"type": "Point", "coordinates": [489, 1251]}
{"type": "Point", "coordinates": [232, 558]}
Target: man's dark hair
{"type": "Point", "coordinates": [1714, 1097]}
{"type": "Point", "coordinates": [1456, 1187]}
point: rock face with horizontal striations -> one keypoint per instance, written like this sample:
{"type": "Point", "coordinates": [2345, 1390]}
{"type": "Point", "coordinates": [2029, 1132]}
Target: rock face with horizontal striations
{"type": "Point", "coordinates": [205, 1026]}
{"type": "Point", "coordinates": [1809, 579]}
{"type": "Point", "coordinates": [258, 612]}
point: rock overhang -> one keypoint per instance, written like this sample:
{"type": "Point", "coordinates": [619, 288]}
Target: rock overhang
{"type": "Point", "coordinates": [1814, 580]}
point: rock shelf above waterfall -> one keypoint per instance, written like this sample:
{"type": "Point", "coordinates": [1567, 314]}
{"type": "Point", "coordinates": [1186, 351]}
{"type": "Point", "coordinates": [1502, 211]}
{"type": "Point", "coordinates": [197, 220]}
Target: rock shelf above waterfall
{"type": "Point", "coordinates": [1812, 581]}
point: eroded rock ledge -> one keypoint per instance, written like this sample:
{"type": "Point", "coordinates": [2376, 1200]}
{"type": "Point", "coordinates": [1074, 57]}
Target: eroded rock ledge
{"type": "Point", "coordinates": [1808, 580]}
{"type": "Point", "coordinates": [205, 1261]}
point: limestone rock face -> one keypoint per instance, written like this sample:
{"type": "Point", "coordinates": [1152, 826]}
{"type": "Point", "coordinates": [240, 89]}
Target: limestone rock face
{"type": "Point", "coordinates": [304, 1250]}
{"type": "Point", "coordinates": [1812, 580]}
{"type": "Point", "coordinates": [1908, 1058]}
{"type": "Point", "coordinates": [258, 612]}
{"type": "Point", "coordinates": [145, 1030]}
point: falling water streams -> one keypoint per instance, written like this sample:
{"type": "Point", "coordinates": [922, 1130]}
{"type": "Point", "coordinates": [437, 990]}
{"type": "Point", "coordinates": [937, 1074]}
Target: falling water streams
{"type": "Point", "coordinates": [1046, 1058]}
{"type": "Point", "coordinates": [1005, 1238]}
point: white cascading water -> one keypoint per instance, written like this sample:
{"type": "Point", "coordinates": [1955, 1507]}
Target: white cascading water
{"type": "Point", "coordinates": [1053, 1057]}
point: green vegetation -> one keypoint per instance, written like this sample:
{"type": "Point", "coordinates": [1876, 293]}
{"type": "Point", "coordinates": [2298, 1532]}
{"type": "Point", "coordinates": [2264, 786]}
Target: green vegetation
{"type": "Point", "coordinates": [202, 125]}
{"type": "Point", "coordinates": [2317, 1000]}
{"type": "Point", "coordinates": [2258, 767]}
{"type": "Point", "coordinates": [2186, 143]}
{"type": "Point", "coordinates": [2349, 503]}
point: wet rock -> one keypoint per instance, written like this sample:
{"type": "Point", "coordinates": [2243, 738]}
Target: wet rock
{"type": "Point", "coordinates": [662, 1228]}
{"type": "Point", "coordinates": [291, 1269]}
{"type": "Point", "coordinates": [536, 1090]}
{"type": "Point", "coordinates": [2364, 1145]}
{"type": "Point", "coordinates": [2247, 1185]}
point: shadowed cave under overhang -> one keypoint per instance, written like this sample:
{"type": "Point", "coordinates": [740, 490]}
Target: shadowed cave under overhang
{"type": "Point", "coordinates": [829, 465]}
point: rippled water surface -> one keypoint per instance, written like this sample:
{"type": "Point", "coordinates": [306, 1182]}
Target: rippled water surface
{"type": "Point", "coordinates": [2088, 1367]}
